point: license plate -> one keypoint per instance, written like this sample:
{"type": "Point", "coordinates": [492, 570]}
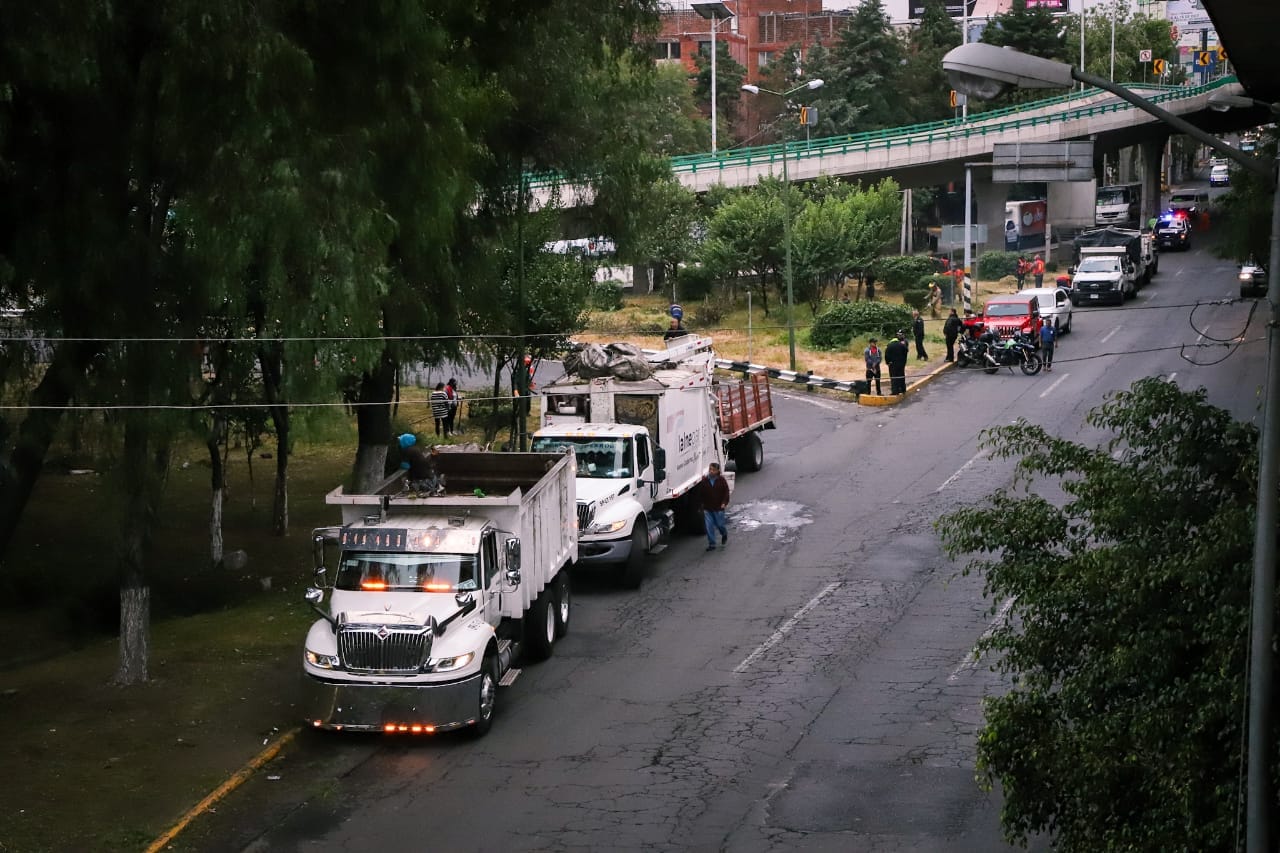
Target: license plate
{"type": "Point", "coordinates": [1093, 296]}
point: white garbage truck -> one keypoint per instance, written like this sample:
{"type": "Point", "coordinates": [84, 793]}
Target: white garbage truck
{"type": "Point", "coordinates": [433, 600]}
{"type": "Point", "coordinates": [643, 445]}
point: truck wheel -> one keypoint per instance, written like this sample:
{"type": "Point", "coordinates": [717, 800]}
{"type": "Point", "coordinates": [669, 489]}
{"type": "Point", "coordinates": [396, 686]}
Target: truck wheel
{"type": "Point", "coordinates": [633, 569]}
{"type": "Point", "coordinates": [540, 625]}
{"type": "Point", "coordinates": [488, 698]}
{"type": "Point", "coordinates": [748, 452]}
{"type": "Point", "coordinates": [564, 602]}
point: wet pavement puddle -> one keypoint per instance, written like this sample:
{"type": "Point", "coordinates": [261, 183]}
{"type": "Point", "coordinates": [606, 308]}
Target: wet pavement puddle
{"type": "Point", "coordinates": [785, 517]}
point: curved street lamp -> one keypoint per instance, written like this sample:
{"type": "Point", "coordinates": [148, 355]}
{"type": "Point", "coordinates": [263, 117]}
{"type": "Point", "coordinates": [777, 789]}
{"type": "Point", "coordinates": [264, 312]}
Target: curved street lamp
{"type": "Point", "coordinates": [786, 221]}
{"type": "Point", "coordinates": [984, 71]}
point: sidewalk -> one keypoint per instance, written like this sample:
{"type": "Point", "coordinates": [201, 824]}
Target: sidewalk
{"type": "Point", "coordinates": [919, 374]}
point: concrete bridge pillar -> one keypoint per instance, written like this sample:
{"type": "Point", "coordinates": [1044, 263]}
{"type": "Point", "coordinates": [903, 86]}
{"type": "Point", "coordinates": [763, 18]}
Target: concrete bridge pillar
{"type": "Point", "coordinates": [989, 198]}
{"type": "Point", "coordinates": [1152, 160]}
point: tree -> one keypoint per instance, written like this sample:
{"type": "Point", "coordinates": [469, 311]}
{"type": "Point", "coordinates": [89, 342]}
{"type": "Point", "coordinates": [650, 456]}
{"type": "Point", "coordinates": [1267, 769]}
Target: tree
{"type": "Point", "coordinates": [1127, 630]}
{"type": "Point", "coordinates": [866, 61]}
{"type": "Point", "coordinates": [729, 76]}
{"type": "Point", "coordinates": [925, 83]}
{"type": "Point", "coordinates": [1244, 219]}
{"type": "Point", "coordinates": [1134, 33]}
{"type": "Point", "coordinates": [1028, 30]}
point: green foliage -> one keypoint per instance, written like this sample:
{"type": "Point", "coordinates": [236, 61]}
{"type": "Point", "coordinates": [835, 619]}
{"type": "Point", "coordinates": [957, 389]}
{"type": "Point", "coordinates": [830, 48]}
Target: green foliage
{"type": "Point", "coordinates": [994, 265]}
{"type": "Point", "coordinates": [915, 298]}
{"type": "Point", "coordinates": [924, 83]}
{"type": "Point", "coordinates": [694, 281]}
{"type": "Point", "coordinates": [604, 296]}
{"type": "Point", "coordinates": [1128, 620]}
{"type": "Point", "coordinates": [1245, 211]}
{"type": "Point", "coordinates": [839, 323]}
{"type": "Point", "coordinates": [863, 73]}
{"type": "Point", "coordinates": [900, 272]}
{"type": "Point", "coordinates": [1133, 33]}
{"type": "Point", "coordinates": [730, 75]}
{"type": "Point", "coordinates": [711, 312]}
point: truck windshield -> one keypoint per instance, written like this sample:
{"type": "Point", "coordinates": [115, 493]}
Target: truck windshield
{"type": "Point", "coordinates": [598, 457]}
{"type": "Point", "coordinates": [1113, 197]}
{"type": "Point", "coordinates": [383, 572]}
{"type": "Point", "coordinates": [1008, 309]}
{"type": "Point", "coordinates": [1099, 265]}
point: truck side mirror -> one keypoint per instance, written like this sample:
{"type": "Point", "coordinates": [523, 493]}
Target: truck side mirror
{"type": "Point", "coordinates": [513, 556]}
{"type": "Point", "coordinates": [659, 464]}
{"type": "Point", "coordinates": [314, 596]}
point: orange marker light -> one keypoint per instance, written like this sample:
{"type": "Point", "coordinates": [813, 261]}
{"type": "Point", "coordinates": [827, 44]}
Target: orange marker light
{"type": "Point", "coordinates": [437, 587]}
{"type": "Point", "coordinates": [389, 727]}
{"type": "Point", "coordinates": [373, 585]}
{"type": "Point", "coordinates": [417, 730]}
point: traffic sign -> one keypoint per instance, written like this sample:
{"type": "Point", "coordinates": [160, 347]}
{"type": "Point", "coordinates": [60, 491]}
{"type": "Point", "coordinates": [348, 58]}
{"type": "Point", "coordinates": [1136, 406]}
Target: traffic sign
{"type": "Point", "coordinates": [953, 98]}
{"type": "Point", "coordinates": [809, 116]}
{"type": "Point", "coordinates": [1222, 54]}
{"type": "Point", "coordinates": [1157, 66]}
{"type": "Point", "coordinates": [1204, 58]}
{"type": "Point", "coordinates": [1144, 56]}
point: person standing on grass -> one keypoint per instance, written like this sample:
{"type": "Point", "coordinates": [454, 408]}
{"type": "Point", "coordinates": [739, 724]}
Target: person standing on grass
{"type": "Point", "coordinates": [714, 493]}
{"type": "Point", "coordinates": [872, 356]}
{"type": "Point", "coordinates": [1048, 338]}
{"type": "Point", "coordinates": [917, 330]}
{"type": "Point", "coordinates": [1037, 270]}
{"type": "Point", "coordinates": [440, 409]}
{"type": "Point", "coordinates": [455, 402]}
{"type": "Point", "coordinates": [950, 331]}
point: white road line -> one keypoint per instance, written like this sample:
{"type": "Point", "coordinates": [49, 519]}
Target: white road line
{"type": "Point", "coordinates": [785, 628]}
{"type": "Point", "coordinates": [963, 468]}
{"type": "Point", "coordinates": [971, 659]}
{"type": "Point", "coordinates": [813, 401]}
{"type": "Point", "coordinates": [1108, 335]}
{"type": "Point", "coordinates": [1173, 376]}
{"type": "Point", "coordinates": [1046, 392]}
{"type": "Point", "coordinates": [1180, 270]}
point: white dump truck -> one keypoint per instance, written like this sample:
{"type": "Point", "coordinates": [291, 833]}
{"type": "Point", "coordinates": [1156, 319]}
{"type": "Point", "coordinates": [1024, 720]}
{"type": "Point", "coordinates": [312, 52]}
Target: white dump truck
{"type": "Point", "coordinates": [433, 600]}
{"type": "Point", "coordinates": [643, 445]}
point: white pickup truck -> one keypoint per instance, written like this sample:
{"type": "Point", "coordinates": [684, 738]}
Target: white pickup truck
{"type": "Point", "coordinates": [644, 445]}
{"type": "Point", "coordinates": [434, 598]}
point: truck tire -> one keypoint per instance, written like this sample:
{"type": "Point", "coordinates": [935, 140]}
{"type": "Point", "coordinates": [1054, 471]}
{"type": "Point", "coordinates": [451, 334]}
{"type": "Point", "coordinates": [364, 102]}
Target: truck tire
{"type": "Point", "coordinates": [632, 571]}
{"type": "Point", "coordinates": [563, 602]}
{"type": "Point", "coordinates": [540, 625]}
{"type": "Point", "coordinates": [748, 452]}
{"type": "Point", "coordinates": [488, 697]}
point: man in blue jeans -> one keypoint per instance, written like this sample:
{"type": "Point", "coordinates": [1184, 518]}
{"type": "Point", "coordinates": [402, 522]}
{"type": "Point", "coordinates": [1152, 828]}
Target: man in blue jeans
{"type": "Point", "coordinates": [713, 491]}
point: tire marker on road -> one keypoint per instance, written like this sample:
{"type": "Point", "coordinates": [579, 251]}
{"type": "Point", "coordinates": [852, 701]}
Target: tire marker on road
{"type": "Point", "coordinates": [785, 628]}
{"type": "Point", "coordinates": [1108, 335]}
{"type": "Point", "coordinates": [1046, 392]}
{"type": "Point", "coordinates": [963, 468]}
{"type": "Point", "coordinates": [971, 659]}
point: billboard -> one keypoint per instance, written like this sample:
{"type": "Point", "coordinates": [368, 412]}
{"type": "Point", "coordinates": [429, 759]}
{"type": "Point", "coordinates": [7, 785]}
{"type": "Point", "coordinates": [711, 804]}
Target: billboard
{"type": "Point", "coordinates": [984, 8]}
{"type": "Point", "coordinates": [1051, 5]}
{"type": "Point", "coordinates": [955, 8]}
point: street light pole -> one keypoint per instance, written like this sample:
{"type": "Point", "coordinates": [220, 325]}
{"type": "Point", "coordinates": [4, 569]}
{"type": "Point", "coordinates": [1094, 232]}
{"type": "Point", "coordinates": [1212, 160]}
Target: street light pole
{"type": "Point", "coordinates": [985, 70]}
{"type": "Point", "coordinates": [786, 217]}
{"type": "Point", "coordinates": [715, 11]}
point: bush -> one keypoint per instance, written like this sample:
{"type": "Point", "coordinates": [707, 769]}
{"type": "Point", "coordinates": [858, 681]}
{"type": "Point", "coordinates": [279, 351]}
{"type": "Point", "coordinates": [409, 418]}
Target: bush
{"type": "Point", "coordinates": [994, 265]}
{"type": "Point", "coordinates": [694, 282]}
{"type": "Point", "coordinates": [710, 313]}
{"type": "Point", "coordinates": [916, 298]}
{"type": "Point", "coordinates": [900, 272]}
{"type": "Point", "coordinates": [605, 296]}
{"type": "Point", "coordinates": [839, 323]}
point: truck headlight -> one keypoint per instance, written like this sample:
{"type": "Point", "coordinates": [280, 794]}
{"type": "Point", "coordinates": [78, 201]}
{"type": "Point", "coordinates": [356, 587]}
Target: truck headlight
{"type": "Point", "coordinates": [449, 664]}
{"type": "Point", "coordinates": [608, 527]}
{"type": "Point", "coordinates": [323, 661]}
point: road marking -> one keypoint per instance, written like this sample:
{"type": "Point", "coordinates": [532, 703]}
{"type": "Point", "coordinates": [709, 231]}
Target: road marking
{"type": "Point", "coordinates": [821, 404]}
{"type": "Point", "coordinates": [1180, 271]}
{"type": "Point", "coordinates": [963, 468]}
{"type": "Point", "coordinates": [970, 660]}
{"type": "Point", "coordinates": [1046, 392]}
{"type": "Point", "coordinates": [1173, 376]}
{"type": "Point", "coordinates": [785, 628]}
{"type": "Point", "coordinates": [1107, 337]}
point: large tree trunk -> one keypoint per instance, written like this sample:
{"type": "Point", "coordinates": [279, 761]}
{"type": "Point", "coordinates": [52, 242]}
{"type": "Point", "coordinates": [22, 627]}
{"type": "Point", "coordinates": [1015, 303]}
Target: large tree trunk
{"type": "Point", "coordinates": [144, 474]}
{"type": "Point", "coordinates": [271, 359]}
{"type": "Point", "coordinates": [373, 421]}
{"type": "Point", "coordinates": [26, 458]}
{"type": "Point", "coordinates": [219, 483]}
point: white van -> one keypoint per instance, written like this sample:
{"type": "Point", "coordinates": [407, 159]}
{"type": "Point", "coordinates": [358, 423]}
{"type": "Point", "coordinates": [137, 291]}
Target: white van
{"type": "Point", "coordinates": [1055, 306]}
{"type": "Point", "coordinates": [1220, 175]}
{"type": "Point", "coordinates": [1193, 200]}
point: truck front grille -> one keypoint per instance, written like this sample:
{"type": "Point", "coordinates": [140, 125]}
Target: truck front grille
{"type": "Point", "coordinates": [586, 515]}
{"type": "Point", "coordinates": [383, 648]}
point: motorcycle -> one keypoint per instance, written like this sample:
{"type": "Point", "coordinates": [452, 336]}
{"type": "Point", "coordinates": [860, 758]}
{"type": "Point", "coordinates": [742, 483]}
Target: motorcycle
{"type": "Point", "coordinates": [991, 353]}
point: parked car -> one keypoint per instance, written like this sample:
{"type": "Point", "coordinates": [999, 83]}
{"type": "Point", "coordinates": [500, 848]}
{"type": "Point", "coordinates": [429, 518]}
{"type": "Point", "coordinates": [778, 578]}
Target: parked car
{"type": "Point", "coordinates": [1192, 200]}
{"type": "Point", "coordinates": [1055, 305]}
{"type": "Point", "coordinates": [1173, 232]}
{"type": "Point", "coordinates": [1220, 176]}
{"type": "Point", "coordinates": [1253, 279]}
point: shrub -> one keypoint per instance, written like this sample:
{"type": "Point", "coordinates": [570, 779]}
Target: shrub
{"type": "Point", "coordinates": [916, 298]}
{"type": "Point", "coordinates": [900, 272]}
{"type": "Point", "coordinates": [994, 265]}
{"type": "Point", "coordinates": [694, 282]}
{"type": "Point", "coordinates": [710, 313]}
{"type": "Point", "coordinates": [840, 322]}
{"type": "Point", "coordinates": [605, 296]}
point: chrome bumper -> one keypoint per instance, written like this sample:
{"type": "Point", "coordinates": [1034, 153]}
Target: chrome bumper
{"type": "Point", "coordinates": [411, 709]}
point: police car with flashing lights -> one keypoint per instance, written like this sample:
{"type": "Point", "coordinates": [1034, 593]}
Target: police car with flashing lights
{"type": "Point", "coordinates": [1173, 231]}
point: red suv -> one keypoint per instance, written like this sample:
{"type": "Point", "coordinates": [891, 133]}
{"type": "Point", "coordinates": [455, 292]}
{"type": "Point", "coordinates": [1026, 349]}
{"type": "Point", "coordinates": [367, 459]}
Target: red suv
{"type": "Point", "coordinates": [1007, 315]}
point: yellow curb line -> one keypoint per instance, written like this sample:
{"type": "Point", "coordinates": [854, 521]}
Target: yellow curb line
{"type": "Point", "coordinates": [237, 779]}
{"type": "Point", "coordinates": [894, 399]}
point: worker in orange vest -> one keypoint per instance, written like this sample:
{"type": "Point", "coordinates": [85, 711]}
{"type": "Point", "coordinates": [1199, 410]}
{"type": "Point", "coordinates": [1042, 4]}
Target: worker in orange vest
{"type": "Point", "coordinates": [1037, 270]}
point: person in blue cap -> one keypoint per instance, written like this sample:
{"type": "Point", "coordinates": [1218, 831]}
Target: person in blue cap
{"type": "Point", "coordinates": [421, 464]}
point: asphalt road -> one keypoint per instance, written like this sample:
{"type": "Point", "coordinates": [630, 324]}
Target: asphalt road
{"type": "Point", "coordinates": [811, 687]}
